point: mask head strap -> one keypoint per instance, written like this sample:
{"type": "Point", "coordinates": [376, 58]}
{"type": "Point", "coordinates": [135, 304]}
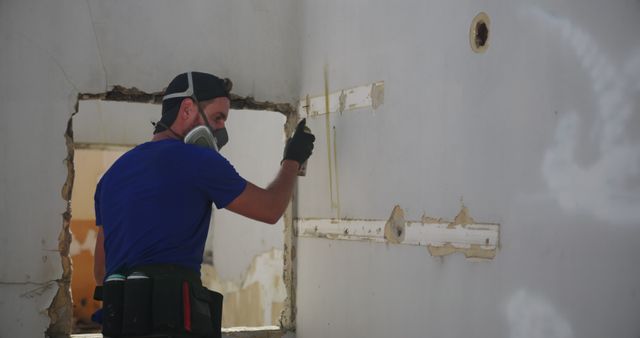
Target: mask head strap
{"type": "Point", "coordinates": [190, 93]}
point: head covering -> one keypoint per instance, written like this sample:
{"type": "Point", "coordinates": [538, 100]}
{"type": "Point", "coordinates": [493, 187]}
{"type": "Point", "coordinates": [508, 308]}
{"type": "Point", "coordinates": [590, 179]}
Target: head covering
{"type": "Point", "coordinates": [201, 86]}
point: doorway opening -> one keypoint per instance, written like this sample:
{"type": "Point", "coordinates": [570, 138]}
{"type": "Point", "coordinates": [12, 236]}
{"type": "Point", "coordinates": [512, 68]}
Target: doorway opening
{"type": "Point", "coordinates": [247, 261]}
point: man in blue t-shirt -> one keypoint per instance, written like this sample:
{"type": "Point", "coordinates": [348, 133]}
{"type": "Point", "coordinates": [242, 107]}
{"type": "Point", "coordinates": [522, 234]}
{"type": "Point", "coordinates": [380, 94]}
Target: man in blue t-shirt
{"type": "Point", "coordinates": [153, 206]}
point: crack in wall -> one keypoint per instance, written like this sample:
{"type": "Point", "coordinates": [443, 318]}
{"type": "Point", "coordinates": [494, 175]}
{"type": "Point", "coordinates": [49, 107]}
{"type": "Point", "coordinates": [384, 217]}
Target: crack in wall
{"type": "Point", "coordinates": [95, 35]}
{"type": "Point", "coordinates": [44, 51]}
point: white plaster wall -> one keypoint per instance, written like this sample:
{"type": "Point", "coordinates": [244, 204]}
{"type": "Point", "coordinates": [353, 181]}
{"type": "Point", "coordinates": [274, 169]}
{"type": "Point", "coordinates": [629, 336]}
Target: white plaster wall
{"type": "Point", "coordinates": [540, 134]}
{"type": "Point", "coordinates": [51, 51]}
{"type": "Point", "coordinates": [454, 125]}
{"type": "Point", "coordinates": [256, 142]}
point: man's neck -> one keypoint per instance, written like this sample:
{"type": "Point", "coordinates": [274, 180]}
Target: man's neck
{"type": "Point", "coordinates": [163, 136]}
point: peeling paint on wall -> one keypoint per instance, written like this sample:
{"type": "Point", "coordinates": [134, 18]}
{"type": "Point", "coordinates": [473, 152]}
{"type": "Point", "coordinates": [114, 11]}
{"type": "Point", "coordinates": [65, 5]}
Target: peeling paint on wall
{"type": "Point", "coordinates": [258, 298]}
{"type": "Point", "coordinates": [477, 241]}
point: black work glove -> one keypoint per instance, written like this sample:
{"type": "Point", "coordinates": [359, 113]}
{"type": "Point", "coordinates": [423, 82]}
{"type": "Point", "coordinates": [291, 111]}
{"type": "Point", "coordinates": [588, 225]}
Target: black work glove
{"type": "Point", "coordinates": [300, 146]}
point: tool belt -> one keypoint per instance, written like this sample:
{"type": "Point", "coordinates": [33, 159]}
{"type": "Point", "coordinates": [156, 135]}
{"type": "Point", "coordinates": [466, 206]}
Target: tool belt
{"type": "Point", "coordinates": [159, 299]}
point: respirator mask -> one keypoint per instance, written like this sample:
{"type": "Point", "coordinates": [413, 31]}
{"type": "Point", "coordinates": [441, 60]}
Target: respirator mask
{"type": "Point", "coordinates": [204, 135]}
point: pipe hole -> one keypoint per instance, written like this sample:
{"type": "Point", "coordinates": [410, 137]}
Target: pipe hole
{"type": "Point", "coordinates": [479, 33]}
{"type": "Point", "coordinates": [482, 33]}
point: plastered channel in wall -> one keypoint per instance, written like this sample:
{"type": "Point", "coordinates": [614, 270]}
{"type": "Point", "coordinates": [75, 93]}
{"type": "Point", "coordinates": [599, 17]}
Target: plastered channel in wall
{"type": "Point", "coordinates": [477, 241]}
{"type": "Point", "coordinates": [370, 95]}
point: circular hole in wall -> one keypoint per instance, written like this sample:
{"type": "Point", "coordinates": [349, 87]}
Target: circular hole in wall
{"type": "Point", "coordinates": [479, 33]}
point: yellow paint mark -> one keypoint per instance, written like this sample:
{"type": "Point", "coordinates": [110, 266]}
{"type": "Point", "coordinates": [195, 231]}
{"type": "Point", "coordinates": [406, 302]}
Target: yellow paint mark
{"type": "Point", "coordinates": [327, 130]}
{"type": "Point", "coordinates": [474, 251]}
{"type": "Point", "coordinates": [335, 163]}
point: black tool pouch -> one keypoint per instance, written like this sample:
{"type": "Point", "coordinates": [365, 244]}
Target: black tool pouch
{"type": "Point", "coordinates": [161, 300]}
{"type": "Point", "coordinates": [205, 310]}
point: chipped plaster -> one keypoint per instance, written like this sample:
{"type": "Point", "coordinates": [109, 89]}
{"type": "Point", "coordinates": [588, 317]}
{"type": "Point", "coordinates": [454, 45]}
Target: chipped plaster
{"type": "Point", "coordinates": [394, 228]}
{"type": "Point", "coordinates": [61, 310]}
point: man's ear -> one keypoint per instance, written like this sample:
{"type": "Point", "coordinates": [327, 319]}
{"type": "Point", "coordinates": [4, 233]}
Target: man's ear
{"type": "Point", "coordinates": [185, 108]}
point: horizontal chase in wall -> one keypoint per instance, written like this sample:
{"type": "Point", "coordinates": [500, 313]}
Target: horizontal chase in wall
{"type": "Point", "coordinates": [370, 95]}
{"type": "Point", "coordinates": [477, 241]}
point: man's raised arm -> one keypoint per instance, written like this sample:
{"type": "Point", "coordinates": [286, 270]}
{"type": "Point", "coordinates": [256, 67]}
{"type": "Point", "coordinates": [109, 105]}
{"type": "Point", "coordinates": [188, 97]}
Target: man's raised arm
{"type": "Point", "coordinates": [267, 205]}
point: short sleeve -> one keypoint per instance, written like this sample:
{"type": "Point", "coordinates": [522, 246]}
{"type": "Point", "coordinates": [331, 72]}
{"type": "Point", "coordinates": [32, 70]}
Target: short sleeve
{"type": "Point", "coordinates": [96, 201]}
{"type": "Point", "coordinates": [218, 179]}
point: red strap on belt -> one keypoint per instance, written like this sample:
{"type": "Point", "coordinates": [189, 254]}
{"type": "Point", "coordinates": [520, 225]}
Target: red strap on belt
{"type": "Point", "coordinates": [186, 306]}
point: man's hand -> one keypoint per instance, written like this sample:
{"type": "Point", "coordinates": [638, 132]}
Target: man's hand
{"type": "Point", "coordinates": [300, 146]}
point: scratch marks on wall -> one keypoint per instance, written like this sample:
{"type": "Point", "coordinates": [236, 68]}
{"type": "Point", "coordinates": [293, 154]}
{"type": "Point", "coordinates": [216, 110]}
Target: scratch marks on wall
{"type": "Point", "coordinates": [95, 35]}
{"type": "Point", "coordinates": [39, 291]}
{"type": "Point", "coordinates": [607, 186]}
{"type": "Point", "coordinates": [477, 241]}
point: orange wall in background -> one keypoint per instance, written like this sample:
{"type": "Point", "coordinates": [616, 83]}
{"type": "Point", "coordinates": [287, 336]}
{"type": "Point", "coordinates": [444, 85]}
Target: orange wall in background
{"type": "Point", "coordinates": [89, 164]}
{"type": "Point", "coordinates": [82, 282]}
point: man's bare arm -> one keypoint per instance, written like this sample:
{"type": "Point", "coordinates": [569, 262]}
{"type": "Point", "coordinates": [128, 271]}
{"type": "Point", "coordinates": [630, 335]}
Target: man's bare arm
{"type": "Point", "coordinates": [98, 258]}
{"type": "Point", "coordinates": [267, 205]}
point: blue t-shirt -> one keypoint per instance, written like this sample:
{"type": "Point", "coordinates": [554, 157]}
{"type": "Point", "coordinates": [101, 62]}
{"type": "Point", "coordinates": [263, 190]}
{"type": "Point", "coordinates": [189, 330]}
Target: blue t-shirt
{"type": "Point", "coordinates": [154, 203]}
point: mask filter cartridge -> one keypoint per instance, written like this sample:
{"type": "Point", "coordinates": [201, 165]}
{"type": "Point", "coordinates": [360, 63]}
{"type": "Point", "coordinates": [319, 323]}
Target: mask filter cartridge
{"type": "Point", "coordinates": [202, 137]}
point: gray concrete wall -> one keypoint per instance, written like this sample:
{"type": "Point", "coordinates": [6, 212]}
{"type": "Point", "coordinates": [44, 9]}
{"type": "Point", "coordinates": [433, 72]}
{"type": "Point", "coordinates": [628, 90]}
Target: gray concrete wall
{"type": "Point", "coordinates": [540, 134]}
{"type": "Point", "coordinates": [51, 51]}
